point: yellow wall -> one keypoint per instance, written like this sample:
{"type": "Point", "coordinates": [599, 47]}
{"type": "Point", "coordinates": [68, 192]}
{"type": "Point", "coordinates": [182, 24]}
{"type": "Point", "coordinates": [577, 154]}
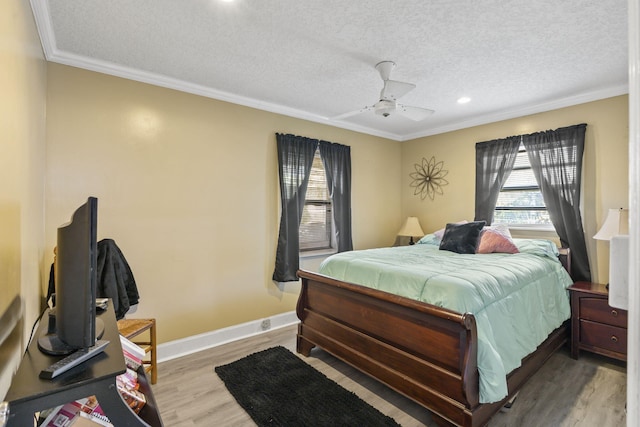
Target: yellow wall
{"type": "Point", "coordinates": [22, 144]}
{"type": "Point", "coordinates": [188, 188]}
{"type": "Point", "coordinates": [605, 168]}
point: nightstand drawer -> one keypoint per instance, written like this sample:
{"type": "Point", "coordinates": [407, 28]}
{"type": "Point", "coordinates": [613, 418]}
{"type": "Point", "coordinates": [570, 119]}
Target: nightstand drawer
{"type": "Point", "coordinates": [603, 336]}
{"type": "Point", "coordinates": [598, 310]}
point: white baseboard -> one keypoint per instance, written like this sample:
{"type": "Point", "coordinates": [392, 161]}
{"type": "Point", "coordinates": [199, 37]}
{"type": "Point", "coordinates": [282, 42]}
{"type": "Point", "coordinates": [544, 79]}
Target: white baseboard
{"type": "Point", "coordinates": [184, 346]}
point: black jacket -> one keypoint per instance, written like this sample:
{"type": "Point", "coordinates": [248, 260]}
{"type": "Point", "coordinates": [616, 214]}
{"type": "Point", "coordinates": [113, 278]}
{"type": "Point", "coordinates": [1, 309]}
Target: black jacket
{"type": "Point", "coordinates": [114, 278]}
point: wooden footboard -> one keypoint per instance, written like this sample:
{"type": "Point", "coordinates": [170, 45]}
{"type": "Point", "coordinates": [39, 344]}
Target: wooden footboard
{"type": "Point", "coordinates": [424, 352]}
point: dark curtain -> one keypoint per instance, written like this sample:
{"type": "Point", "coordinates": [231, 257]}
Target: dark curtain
{"type": "Point", "coordinates": [494, 162]}
{"type": "Point", "coordinates": [295, 158]}
{"type": "Point", "coordinates": [337, 165]}
{"type": "Point", "coordinates": [556, 160]}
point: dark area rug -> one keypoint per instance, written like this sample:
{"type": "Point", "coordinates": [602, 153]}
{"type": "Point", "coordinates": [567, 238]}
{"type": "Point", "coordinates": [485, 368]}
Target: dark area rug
{"type": "Point", "coordinates": [277, 388]}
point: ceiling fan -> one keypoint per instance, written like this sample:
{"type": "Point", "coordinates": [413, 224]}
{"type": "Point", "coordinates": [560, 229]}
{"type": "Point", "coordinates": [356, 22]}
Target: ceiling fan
{"type": "Point", "coordinates": [388, 104]}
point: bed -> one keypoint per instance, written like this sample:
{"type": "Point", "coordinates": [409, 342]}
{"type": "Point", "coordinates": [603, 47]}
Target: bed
{"type": "Point", "coordinates": [420, 346]}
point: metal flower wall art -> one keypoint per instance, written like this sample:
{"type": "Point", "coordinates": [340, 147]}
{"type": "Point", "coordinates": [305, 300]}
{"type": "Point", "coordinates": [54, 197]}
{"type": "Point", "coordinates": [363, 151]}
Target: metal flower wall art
{"type": "Point", "coordinates": [428, 179]}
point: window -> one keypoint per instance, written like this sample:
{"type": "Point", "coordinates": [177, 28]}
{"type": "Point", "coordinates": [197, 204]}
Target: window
{"type": "Point", "coordinates": [324, 225]}
{"type": "Point", "coordinates": [520, 200]}
{"type": "Point", "coordinates": [316, 223]}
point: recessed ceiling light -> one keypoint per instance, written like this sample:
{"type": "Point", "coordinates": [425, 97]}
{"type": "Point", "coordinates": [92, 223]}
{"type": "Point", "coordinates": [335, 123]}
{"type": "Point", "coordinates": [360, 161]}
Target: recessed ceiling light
{"type": "Point", "coordinates": [464, 100]}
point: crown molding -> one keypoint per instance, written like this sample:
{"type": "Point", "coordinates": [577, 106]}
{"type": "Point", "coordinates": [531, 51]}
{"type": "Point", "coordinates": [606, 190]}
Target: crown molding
{"type": "Point", "coordinates": [524, 111]}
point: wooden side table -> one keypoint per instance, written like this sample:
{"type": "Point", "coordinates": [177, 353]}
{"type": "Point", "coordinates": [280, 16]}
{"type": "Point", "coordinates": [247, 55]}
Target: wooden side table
{"type": "Point", "coordinates": [131, 328]}
{"type": "Point", "coordinates": [596, 326]}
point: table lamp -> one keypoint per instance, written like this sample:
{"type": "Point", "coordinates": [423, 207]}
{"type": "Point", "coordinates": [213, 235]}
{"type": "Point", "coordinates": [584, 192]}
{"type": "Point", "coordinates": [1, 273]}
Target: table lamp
{"type": "Point", "coordinates": [616, 223]}
{"type": "Point", "coordinates": [615, 230]}
{"type": "Point", "coordinates": [411, 229]}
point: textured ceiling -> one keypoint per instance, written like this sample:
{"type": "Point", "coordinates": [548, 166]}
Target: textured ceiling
{"type": "Point", "coordinates": [315, 59]}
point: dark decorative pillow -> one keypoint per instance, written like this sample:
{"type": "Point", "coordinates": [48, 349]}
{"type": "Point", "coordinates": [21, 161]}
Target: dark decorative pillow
{"type": "Point", "coordinates": [462, 238]}
{"type": "Point", "coordinates": [440, 233]}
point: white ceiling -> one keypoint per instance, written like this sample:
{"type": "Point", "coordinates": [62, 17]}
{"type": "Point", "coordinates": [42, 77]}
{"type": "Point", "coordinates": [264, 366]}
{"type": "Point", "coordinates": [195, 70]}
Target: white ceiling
{"type": "Point", "coordinates": [314, 59]}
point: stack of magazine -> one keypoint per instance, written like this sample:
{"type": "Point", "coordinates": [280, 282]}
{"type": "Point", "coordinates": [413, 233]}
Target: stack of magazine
{"type": "Point", "coordinates": [81, 413]}
{"type": "Point", "coordinates": [87, 412]}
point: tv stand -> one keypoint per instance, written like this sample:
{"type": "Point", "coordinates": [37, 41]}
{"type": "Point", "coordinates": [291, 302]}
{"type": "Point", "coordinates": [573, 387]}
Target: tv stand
{"type": "Point", "coordinates": [29, 394]}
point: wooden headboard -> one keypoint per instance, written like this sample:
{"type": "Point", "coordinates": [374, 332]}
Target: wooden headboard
{"type": "Point", "coordinates": [565, 259]}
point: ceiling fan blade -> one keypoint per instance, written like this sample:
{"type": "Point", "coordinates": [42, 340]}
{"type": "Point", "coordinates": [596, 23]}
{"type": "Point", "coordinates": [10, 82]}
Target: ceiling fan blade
{"type": "Point", "coordinates": [414, 113]}
{"type": "Point", "coordinates": [352, 113]}
{"type": "Point", "coordinates": [394, 89]}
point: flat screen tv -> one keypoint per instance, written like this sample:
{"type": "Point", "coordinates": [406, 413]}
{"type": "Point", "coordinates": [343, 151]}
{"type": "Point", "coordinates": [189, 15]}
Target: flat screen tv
{"type": "Point", "coordinates": [72, 321]}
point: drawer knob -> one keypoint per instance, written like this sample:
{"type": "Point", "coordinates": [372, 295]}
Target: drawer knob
{"type": "Point", "coordinates": [614, 313]}
{"type": "Point", "coordinates": [614, 338]}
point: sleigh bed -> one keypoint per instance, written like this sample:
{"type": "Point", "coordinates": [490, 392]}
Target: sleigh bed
{"type": "Point", "coordinates": [424, 351]}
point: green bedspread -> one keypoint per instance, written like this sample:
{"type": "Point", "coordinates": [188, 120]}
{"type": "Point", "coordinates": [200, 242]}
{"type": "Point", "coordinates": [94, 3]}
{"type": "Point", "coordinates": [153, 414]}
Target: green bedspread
{"type": "Point", "coordinates": [517, 299]}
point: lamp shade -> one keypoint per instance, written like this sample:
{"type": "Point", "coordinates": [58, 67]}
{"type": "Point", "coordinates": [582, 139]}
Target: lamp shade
{"type": "Point", "coordinates": [615, 224]}
{"type": "Point", "coordinates": [411, 228]}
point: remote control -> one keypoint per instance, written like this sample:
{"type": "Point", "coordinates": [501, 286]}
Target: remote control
{"type": "Point", "coordinates": [73, 360]}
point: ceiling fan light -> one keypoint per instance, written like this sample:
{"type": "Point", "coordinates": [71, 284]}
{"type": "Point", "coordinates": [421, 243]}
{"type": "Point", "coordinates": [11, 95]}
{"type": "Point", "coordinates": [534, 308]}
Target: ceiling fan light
{"type": "Point", "coordinates": [384, 108]}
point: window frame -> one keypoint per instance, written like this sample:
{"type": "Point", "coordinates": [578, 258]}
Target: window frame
{"type": "Point", "coordinates": [534, 188]}
{"type": "Point", "coordinates": [319, 246]}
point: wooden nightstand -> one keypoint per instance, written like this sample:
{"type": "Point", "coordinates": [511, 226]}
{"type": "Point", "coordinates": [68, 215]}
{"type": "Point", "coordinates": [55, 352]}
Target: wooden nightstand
{"type": "Point", "coordinates": [595, 326]}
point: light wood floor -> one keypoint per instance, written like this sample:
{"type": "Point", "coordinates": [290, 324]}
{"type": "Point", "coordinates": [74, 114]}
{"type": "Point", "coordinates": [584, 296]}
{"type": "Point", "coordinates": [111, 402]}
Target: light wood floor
{"type": "Point", "coordinates": [588, 392]}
